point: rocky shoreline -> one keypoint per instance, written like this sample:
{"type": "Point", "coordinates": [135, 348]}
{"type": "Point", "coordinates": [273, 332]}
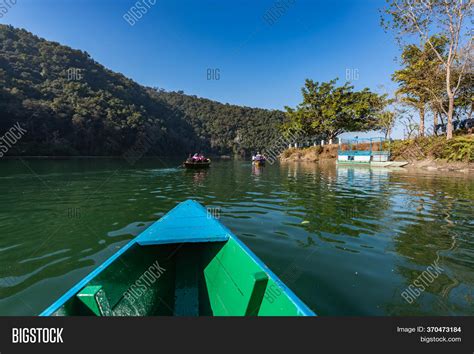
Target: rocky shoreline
{"type": "Point", "coordinates": [441, 165]}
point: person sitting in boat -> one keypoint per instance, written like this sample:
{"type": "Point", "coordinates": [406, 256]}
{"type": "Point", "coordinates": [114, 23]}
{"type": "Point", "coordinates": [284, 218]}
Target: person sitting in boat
{"type": "Point", "coordinates": [259, 157]}
{"type": "Point", "coordinates": [199, 157]}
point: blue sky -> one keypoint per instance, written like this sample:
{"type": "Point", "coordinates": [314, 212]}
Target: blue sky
{"type": "Point", "coordinates": [261, 65]}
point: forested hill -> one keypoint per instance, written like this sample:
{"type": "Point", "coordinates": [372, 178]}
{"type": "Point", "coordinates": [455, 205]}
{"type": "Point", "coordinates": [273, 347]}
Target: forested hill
{"type": "Point", "coordinates": [225, 127]}
{"type": "Point", "coordinates": [72, 105]}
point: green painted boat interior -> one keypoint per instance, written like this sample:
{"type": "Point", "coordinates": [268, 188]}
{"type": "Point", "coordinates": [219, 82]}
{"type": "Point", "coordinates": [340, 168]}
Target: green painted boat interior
{"type": "Point", "coordinates": [188, 279]}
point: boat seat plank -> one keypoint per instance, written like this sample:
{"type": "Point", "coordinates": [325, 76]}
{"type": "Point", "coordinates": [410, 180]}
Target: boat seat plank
{"type": "Point", "coordinates": [93, 296]}
{"type": "Point", "coordinates": [257, 294]}
{"type": "Point", "coordinates": [187, 283]}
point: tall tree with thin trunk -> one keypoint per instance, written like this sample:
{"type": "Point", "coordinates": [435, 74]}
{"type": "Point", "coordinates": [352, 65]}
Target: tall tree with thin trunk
{"type": "Point", "coordinates": [446, 18]}
{"type": "Point", "coordinates": [386, 122]}
{"type": "Point", "coordinates": [419, 77]}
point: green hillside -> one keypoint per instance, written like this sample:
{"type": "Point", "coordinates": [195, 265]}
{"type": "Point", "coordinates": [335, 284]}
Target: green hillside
{"type": "Point", "coordinates": [72, 105]}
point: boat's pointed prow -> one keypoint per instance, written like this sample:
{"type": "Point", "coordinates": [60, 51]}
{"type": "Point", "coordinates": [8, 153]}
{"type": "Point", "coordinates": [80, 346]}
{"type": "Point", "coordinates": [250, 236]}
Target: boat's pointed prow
{"type": "Point", "coordinates": [185, 264]}
{"type": "Point", "coordinates": [189, 221]}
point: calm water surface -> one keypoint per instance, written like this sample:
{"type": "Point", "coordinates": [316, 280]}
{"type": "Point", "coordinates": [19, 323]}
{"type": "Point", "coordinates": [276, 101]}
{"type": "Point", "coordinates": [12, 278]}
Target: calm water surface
{"type": "Point", "coordinates": [348, 241]}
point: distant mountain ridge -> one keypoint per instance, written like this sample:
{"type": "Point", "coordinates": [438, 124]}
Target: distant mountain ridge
{"type": "Point", "coordinates": [72, 105]}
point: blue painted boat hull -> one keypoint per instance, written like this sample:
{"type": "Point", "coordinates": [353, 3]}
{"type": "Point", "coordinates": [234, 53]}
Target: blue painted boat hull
{"type": "Point", "coordinates": [185, 264]}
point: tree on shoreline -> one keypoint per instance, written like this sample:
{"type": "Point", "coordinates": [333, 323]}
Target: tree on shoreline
{"type": "Point", "coordinates": [446, 19]}
{"type": "Point", "coordinates": [387, 122]}
{"type": "Point", "coordinates": [419, 78]}
{"type": "Point", "coordinates": [328, 110]}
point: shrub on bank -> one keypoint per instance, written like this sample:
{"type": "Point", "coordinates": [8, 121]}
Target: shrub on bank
{"type": "Point", "coordinates": [460, 148]}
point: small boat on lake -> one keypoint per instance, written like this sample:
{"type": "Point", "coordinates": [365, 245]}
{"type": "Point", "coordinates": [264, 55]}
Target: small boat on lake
{"type": "Point", "coordinates": [185, 264]}
{"type": "Point", "coordinates": [258, 160]}
{"type": "Point", "coordinates": [197, 164]}
{"type": "Point", "coordinates": [197, 161]}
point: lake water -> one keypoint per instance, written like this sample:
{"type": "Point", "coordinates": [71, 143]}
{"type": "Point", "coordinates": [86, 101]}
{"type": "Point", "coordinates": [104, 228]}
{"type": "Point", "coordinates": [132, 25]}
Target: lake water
{"type": "Point", "coordinates": [347, 241]}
